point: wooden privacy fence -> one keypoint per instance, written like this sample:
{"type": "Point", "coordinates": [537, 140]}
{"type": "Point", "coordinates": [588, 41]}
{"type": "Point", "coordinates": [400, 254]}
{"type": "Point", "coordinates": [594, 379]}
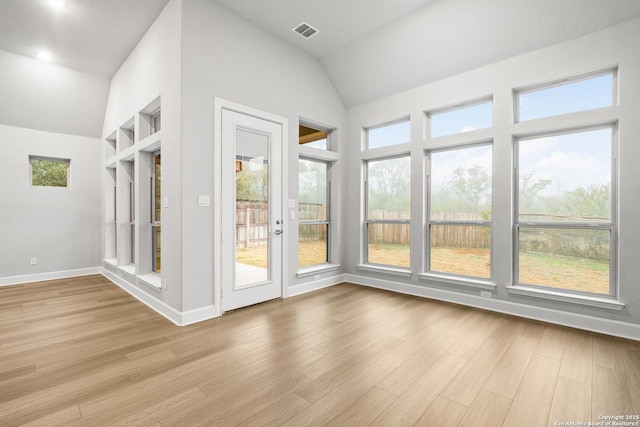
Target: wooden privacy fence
{"type": "Point", "coordinates": [312, 212]}
{"type": "Point", "coordinates": [441, 235]}
{"type": "Point", "coordinates": [252, 223]}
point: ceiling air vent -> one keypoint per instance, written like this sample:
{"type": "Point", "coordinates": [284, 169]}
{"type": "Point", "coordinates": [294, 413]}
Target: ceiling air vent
{"type": "Point", "coordinates": [305, 30]}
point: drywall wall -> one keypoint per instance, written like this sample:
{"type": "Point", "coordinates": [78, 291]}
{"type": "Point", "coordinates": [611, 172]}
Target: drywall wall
{"type": "Point", "coordinates": [225, 56]}
{"type": "Point", "coordinates": [43, 96]}
{"type": "Point", "coordinates": [60, 227]}
{"type": "Point", "coordinates": [152, 70]}
{"type": "Point", "coordinates": [445, 38]}
{"type": "Point", "coordinates": [615, 46]}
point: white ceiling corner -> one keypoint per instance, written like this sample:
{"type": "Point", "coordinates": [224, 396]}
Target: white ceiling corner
{"type": "Point", "coordinates": [90, 36]}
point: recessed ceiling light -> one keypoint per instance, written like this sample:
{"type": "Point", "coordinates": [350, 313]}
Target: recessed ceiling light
{"type": "Point", "coordinates": [57, 4]}
{"type": "Point", "coordinates": [44, 56]}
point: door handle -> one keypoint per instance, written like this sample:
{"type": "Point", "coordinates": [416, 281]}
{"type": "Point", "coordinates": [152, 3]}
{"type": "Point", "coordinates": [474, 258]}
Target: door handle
{"type": "Point", "coordinates": [278, 232]}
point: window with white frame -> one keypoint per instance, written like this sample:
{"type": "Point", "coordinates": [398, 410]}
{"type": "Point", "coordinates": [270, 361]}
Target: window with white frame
{"type": "Point", "coordinates": [313, 212]}
{"type": "Point", "coordinates": [461, 118]}
{"type": "Point", "coordinates": [587, 92]}
{"type": "Point", "coordinates": [132, 211]}
{"type": "Point", "coordinates": [387, 211]}
{"type": "Point", "coordinates": [156, 212]}
{"type": "Point", "coordinates": [155, 120]}
{"type": "Point", "coordinates": [394, 133]}
{"type": "Point", "coordinates": [313, 138]}
{"type": "Point", "coordinates": [565, 210]}
{"type": "Point", "coordinates": [459, 199]}
{"type": "Point", "coordinates": [49, 172]}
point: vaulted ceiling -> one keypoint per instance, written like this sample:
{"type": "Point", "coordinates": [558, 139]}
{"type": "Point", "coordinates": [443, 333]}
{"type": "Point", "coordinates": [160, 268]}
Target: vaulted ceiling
{"type": "Point", "coordinates": [368, 48]}
{"type": "Point", "coordinates": [91, 36]}
{"type": "Point", "coordinates": [373, 48]}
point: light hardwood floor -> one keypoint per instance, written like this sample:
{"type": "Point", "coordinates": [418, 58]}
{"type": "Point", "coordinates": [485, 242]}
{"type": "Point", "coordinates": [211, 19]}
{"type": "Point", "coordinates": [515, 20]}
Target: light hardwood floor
{"type": "Point", "coordinates": [83, 352]}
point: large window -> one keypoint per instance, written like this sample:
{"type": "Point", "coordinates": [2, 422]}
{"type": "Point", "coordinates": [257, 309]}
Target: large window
{"type": "Point", "coordinates": [313, 212]}
{"type": "Point", "coordinates": [388, 211]}
{"type": "Point", "coordinates": [49, 172]}
{"type": "Point", "coordinates": [156, 212]}
{"type": "Point", "coordinates": [565, 202]}
{"type": "Point", "coordinates": [459, 221]}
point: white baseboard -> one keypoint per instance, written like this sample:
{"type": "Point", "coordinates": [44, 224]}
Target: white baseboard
{"type": "Point", "coordinates": [53, 275]}
{"type": "Point", "coordinates": [198, 315]}
{"type": "Point", "coordinates": [179, 318]}
{"type": "Point", "coordinates": [315, 285]}
{"type": "Point", "coordinates": [574, 320]}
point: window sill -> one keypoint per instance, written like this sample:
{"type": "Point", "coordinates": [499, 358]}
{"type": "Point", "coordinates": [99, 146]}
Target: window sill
{"type": "Point", "coordinates": [129, 269]}
{"type": "Point", "coordinates": [316, 269]}
{"type": "Point", "coordinates": [111, 261]}
{"type": "Point", "coordinates": [600, 302]}
{"type": "Point", "coordinates": [461, 281]}
{"type": "Point", "coordinates": [404, 272]}
{"type": "Point", "coordinates": [152, 280]}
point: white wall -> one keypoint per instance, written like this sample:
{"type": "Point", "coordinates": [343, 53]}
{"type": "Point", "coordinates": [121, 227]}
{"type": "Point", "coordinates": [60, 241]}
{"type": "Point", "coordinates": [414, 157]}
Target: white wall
{"type": "Point", "coordinates": [225, 56]}
{"type": "Point", "coordinates": [49, 110]}
{"type": "Point", "coordinates": [150, 71]}
{"type": "Point", "coordinates": [43, 96]}
{"type": "Point", "coordinates": [448, 37]}
{"type": "Point", "coordinates": [610, 47]}
{"type": "Point", "coordinates": [194, 52]}
{"type": "Point", "coordinates": [58, 226]}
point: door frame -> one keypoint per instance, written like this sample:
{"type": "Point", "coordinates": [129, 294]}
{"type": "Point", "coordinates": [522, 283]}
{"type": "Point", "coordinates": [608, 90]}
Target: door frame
{"type": "Point", "coordinates": [221, 104]}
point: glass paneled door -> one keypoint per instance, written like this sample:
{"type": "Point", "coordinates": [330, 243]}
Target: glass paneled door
{"type": "Point", "coordinates": [252, 222]}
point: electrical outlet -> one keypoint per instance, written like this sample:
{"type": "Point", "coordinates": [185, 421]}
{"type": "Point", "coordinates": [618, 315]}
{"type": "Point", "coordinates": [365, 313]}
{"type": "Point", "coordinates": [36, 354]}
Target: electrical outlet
{"type": "Point", "coordinates": [485, 294]}
{"type": "Point", "coordinates": [34, 261]}
{"type": "Point", "coordinates": [164, 284]}
{"type": "Point", "coordinates": [316, 277]}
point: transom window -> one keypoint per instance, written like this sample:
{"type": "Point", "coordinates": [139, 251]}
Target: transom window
{"type": "Point", "coordinates": [566, 96]}
{"type": "Point", "coordinates": [394, 133]}
{"type": "Point", "coordinates": [314, 138]}
{"type": "Point", "coordinates": [460, 118]}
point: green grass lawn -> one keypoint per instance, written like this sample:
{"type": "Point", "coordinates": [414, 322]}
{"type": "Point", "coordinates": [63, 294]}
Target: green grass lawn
{"type": "Point", "coordinates": [579, 274]}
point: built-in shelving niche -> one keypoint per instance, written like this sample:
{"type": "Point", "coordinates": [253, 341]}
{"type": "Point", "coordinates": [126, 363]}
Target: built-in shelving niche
{"type": "Point", "coordinates": [128, 152]}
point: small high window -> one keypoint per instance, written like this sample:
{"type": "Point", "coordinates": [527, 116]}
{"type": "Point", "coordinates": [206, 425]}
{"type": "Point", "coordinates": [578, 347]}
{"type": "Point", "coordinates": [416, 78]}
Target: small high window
{"type": "Point", "coordinates": [314, 138]}
{"type": "Point", "coordinates": [566, 96]}
{"type": "Point", "coordinates": [49, 172]}
{"type": "Point", "coordinates": [388, 134]}
{"type": "Point", "coordinates": [460, 118]}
